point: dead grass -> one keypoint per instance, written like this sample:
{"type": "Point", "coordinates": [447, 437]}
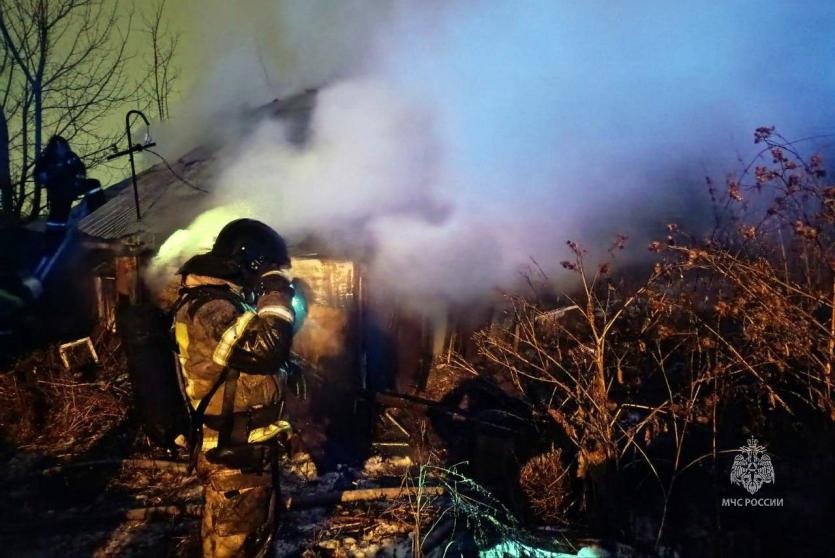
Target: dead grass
{"type": "Point", "coordinates": [53, 410]}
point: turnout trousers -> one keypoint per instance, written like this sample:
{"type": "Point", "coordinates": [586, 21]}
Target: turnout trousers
{"type": "Point", "coordinates": [239, 510]}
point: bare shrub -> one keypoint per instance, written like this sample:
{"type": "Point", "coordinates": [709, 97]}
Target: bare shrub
{"type": "Point", "coordinates": [545, 481]}
{"type": "Point", "coordinates": [741, 319]}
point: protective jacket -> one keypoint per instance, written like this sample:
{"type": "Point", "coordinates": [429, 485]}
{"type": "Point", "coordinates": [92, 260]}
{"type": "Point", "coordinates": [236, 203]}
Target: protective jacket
{"type": "Point", "coordinates": [219, 334]}
{"type": "Point", "coordinates": [65, 180]}
{"type": "Point", "coordinates": [60, 172]}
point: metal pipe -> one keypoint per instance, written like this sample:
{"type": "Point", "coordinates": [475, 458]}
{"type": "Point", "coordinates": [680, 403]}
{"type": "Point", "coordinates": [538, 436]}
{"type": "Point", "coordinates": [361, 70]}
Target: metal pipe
{"type": "Point", "coordinates": [130, 151]}
{"type": "Point", "coordinates": [130, 155]}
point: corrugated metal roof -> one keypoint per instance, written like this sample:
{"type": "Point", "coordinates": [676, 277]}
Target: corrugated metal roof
{"type": "Point", "coordinates": [166, 203]}
{"type": "Point", "coordinates": [159, 191]}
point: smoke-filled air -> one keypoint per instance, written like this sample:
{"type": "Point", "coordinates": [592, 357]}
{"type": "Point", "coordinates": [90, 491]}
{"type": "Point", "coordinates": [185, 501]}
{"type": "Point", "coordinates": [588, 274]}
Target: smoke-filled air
{"type": "Point", "coordinates": [454, 142]}
{"type": "Point", "coordinates": [417, 278]}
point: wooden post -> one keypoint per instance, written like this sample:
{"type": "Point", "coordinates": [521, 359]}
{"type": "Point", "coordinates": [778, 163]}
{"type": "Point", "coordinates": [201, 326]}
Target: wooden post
{"type": "Point", "coordinates": [105, 301]}
{"type": "Point", "coordinates": [127, 279]}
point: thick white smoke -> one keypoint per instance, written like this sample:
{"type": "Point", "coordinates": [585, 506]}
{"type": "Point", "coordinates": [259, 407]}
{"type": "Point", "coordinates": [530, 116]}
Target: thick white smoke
{"type": "Point", "coordinates": [464, 138]}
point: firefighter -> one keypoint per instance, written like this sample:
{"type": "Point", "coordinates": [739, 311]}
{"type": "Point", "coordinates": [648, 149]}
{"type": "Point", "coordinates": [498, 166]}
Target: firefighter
{"type": "Point", "coordinates": [234, 328]}
{"type": "Point", "coordinates": [64, 176]}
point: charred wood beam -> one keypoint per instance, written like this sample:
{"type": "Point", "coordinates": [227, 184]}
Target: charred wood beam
{"type": "Point", "coordinates": [304, 501]}
{"type": "Point", "coordinates": [432, 409]}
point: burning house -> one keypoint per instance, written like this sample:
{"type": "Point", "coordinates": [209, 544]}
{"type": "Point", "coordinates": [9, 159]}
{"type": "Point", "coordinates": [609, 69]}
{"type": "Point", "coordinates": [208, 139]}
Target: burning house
{"type": "Point", "coordinates": [348, 346]}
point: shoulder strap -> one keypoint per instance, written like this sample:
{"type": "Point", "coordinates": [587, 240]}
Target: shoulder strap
{"type": "Point", "coordinates": [226, 435]}
{"type": "Point", "coordinates": [197, 417]}
{"type": "Point", "coordinates": [204, 403]}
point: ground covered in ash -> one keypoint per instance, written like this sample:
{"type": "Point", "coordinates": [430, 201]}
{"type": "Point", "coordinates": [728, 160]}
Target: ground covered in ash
{"type": "Point", "coordinates": [80, 479]}
{"type": "Point", "coordinates": [144, 507]}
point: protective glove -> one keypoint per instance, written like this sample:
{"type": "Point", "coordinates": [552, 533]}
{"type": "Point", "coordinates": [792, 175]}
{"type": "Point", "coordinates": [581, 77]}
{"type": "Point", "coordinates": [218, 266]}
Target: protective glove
{"type": "Point", "coordinates": [273, 282]}
{"type": "Point", "coordinates": [33, 286]}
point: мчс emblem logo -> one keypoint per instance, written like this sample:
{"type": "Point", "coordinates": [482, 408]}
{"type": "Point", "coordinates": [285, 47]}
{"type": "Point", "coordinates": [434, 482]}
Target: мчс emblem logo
{"type": "Point", "coordinates": [752, 467]}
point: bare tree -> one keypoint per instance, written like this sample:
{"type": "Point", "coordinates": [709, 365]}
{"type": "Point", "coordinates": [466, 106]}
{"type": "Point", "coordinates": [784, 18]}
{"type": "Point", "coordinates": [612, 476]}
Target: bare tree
{"type": "Point", "coordinates": [66, 71]}
{"type": "Point", "coordinates": [6, 192]}
{"type": "Point", "coordinates": [161, 70]}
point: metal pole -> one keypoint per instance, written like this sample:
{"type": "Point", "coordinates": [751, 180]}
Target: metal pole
{"type": "Point", "coordinates": [130, 154]}
{"type": "Point", "coordinates": [132, 168]}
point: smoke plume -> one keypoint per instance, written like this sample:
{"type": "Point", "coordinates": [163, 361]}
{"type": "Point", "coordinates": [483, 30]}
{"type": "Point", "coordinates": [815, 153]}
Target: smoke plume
{"type": "Point", "coordinates": [456, 141]}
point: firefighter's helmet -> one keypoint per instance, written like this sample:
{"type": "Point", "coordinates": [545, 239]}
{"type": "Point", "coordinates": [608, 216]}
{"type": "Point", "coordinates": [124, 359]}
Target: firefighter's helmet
{"type": "Point", "coordinates": [252, 245]}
